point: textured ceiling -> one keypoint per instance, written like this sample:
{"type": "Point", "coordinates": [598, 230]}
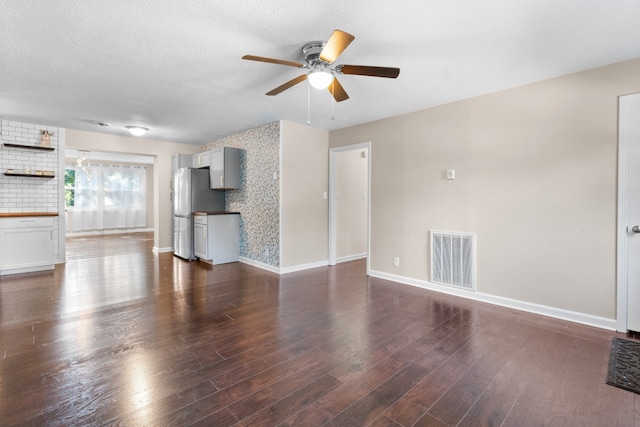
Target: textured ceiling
{"type": "Point", "coordinates": [176, 68]}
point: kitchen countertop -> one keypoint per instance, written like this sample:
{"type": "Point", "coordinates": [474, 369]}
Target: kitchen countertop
{"type": "Point", "coordinates": [24, 214]}
{"type": "Point", "coordinates": [216, 213]}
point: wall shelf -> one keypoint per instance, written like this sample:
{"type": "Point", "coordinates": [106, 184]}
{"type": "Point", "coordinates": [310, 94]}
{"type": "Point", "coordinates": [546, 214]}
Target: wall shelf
{"type": "Point", "coordinates": [28, 147]}
{"type": "Point", "coordinates": [30, 175]}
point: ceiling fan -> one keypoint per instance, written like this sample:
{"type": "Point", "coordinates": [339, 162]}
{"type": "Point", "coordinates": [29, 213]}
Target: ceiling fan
{"type": "Point", "coordinates": [318, 60]}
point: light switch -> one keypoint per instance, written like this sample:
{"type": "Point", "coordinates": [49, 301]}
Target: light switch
{"type": "Point", "coordinates": [451, 174]}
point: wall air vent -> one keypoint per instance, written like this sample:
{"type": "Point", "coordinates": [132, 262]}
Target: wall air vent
{"type": "Point", "coordinates": [453, 259]}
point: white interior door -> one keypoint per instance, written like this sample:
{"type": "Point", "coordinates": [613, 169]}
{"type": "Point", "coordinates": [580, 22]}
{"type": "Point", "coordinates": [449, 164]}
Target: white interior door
{"type": "Point", "coordinates": [629, 215]}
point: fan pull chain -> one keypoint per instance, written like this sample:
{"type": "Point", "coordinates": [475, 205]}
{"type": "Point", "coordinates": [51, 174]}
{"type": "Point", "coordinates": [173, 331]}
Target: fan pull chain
{"type": "Point", "coordinates": [333, 97]}
{"type": "Point", "coordinates": [308, 104]}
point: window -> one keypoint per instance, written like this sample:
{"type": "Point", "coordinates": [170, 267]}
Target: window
{"type": "Point", "coordinates": [106, 197]}
{"type": "Point", "coordinates": [69, 187]}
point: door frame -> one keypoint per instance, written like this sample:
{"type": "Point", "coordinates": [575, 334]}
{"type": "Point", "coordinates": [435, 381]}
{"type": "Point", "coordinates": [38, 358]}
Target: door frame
{"type": "Point", "coordinates": [624, 140]}
{"type": "Point", "coordinates": [333, 202]}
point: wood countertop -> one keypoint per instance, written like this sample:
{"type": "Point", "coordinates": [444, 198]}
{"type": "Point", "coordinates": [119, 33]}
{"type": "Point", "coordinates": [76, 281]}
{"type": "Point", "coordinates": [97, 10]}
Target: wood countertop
{"type": "Point", "coordinates": [216, 213]}
{"type": "Point", "coordinates": [24, 214]}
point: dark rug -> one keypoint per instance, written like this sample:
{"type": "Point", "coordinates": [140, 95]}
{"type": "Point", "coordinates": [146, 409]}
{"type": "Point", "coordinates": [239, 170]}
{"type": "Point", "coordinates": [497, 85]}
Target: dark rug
{"type": "Point", "coordinates": [624, 365]}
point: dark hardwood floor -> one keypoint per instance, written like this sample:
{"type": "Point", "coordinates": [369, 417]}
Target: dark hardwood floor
{"type": "Point", "coordinates": [122, 336]}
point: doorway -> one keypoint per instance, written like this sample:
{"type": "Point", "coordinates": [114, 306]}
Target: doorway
{"type": "Point", "coordinates": [349, 203]}
{"type": "Point", "coordinates": [118, 189]}
{"type": "Point", "coordinates": [628, 273]}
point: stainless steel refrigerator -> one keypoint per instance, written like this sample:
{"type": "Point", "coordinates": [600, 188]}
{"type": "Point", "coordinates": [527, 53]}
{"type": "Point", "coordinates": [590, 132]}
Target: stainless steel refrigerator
{"type": "Point", "coordinates": [191, 194]}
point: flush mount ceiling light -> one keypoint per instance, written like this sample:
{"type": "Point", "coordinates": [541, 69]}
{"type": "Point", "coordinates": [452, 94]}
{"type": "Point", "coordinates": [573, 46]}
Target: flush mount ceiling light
{"type": "Point", "coordinates": [137, 130]}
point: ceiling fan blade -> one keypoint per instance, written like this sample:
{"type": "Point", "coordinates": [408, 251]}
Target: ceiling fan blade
{"type": "Point", "coordinates": [338, 42]}
{"type": "Point", "coordinates": [273, 61]}
{"type": "Point", "coordinates": [364, 70]}
{"type": "Point", "coordinates": [287, 85]}
{"type": "Point", "coordinates": [338, 92]}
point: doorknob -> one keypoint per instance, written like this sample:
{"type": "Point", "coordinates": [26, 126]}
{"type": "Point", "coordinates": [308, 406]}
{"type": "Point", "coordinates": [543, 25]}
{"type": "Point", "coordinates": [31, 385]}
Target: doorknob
{"type": "Point", "coordinates": [636, 228]}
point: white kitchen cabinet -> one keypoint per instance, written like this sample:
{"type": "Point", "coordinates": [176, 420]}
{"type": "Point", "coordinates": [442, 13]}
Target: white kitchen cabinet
{"type": "Point", "coordinates": [180, 161]}
{"type": "Point", "coordinates": [217, 237]}
{"type": "Point", "coordinates": [200, 235]}
{"type": "Point", "coordinates": [224, 168]}
{"type": "Point", "coordinates": [26, 244]}
{"type": "Point", "coordinates": [202, 160]}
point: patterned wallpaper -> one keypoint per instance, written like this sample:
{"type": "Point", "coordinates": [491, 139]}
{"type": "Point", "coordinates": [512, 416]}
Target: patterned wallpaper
{"type": "Point", "coordinates": [258, 198]}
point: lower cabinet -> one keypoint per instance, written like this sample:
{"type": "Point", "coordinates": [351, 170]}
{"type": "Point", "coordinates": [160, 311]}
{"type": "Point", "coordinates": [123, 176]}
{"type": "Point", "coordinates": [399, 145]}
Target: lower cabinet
{"type": "Point", "coordinates": [26, 244]}
{"type": "Point", "coordinates": [217, 238]}
{"type": "Point", "coordinates": [200, 247]}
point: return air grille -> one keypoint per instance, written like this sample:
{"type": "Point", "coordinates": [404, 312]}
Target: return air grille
{"type": "Point", "coordinates": [453, 259]}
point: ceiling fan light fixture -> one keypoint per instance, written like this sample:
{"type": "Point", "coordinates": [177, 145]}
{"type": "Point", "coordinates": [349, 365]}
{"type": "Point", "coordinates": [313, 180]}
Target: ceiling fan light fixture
{"type": "Point", "coordinates": [320, 79]}
{"type": "Point", "coordinates": [137, 130]}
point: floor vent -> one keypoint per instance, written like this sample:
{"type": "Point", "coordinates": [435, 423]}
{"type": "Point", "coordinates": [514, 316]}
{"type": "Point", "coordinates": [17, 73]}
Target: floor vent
{"type": "Point", "coordinates": [453, 259]}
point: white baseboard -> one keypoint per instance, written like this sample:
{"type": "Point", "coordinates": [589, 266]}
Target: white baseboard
{"type": "Point", "coordinates": [162, 250]}
{"type": "Point", "coordinates": [103, 232]}
{"type": "Point", "coordinates": [283, 270]}
{"type": "Point", "coordinates": [302, 267]}
{"type": "Point", "coordinates": [351, 258]}
{"type": "Point", "coordinates": [259, 264]}
{"type": "Point", "coordinates": [33, 269]}
{"type": "Point", "coordinates": [557, 313]}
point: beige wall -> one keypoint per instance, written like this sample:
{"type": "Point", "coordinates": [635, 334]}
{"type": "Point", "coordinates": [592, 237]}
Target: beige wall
{"type": "Point", "coordinates": [161, 170]}
{"type": "Point", "coordinates": [351, 206]}
{"type": "Point", "coordinates": [536, 180]}
{"type": "Point", "coordinates": [303, 209]}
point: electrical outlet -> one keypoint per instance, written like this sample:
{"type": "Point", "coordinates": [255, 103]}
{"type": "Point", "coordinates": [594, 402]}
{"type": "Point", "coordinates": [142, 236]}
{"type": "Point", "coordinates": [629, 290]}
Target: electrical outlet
{"type": "Point", "coordinates": [396, 261]}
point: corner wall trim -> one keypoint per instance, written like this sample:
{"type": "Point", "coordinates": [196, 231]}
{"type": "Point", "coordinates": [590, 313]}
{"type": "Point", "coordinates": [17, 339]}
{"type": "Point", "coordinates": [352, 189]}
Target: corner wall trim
{"type": "Point", "coordinates": [161, 250]}
{"type": "Point", "coordinates": [259, 264]}
{"type": "Point", "coordinates": [558, 313]}
{"type": "Point", "coordinates": [285, 270]}
{"type": "Point", "coordinates": [351, 258]}
{"type": "Point", "coordinates": [301, 267]}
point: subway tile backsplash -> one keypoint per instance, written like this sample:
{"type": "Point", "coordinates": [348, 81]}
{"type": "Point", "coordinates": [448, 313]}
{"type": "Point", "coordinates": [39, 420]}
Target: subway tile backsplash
{"type": "Point", "coordinates": [29, 194]}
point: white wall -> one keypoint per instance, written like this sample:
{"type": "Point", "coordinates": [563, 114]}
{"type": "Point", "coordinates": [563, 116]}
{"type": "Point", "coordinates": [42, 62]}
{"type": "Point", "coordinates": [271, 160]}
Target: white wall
{"type": "Point", "coordinates": [536, 180]}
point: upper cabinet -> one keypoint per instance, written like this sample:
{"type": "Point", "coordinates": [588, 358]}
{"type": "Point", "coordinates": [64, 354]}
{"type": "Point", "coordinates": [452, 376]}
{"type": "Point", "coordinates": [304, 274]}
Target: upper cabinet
{"type": "Point", "coordinates": [224, 168]}
{"type": "Point", "coordinates": [202, 160]}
